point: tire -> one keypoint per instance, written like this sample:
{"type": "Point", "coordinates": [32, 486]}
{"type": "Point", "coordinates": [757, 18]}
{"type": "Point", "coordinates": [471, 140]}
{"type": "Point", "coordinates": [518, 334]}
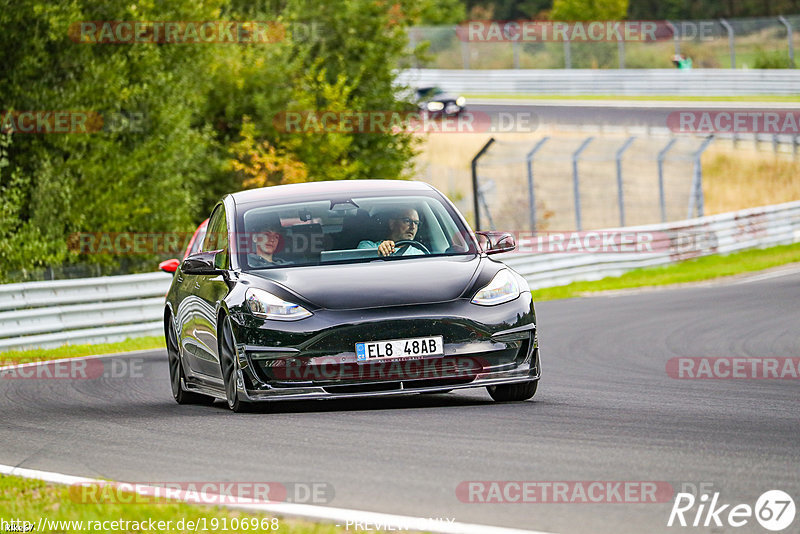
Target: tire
{"type": "Point", "coordinates": [176, 375]}
{"type": "Point", "coordinates": [513, 392]}
{"type": "Point", "coordinates": [228, 366]}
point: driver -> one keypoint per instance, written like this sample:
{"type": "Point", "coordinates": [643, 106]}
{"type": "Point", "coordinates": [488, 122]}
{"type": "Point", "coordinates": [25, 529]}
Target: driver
{"type": "Point", "coordinates": [268, 241]}
{"type": "Point", "coordinates": [403, 226]}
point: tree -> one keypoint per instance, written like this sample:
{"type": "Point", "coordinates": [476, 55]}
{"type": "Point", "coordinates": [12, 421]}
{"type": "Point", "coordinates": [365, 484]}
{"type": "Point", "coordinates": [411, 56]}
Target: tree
{"type": "Point", "coordinates": [589, 9]}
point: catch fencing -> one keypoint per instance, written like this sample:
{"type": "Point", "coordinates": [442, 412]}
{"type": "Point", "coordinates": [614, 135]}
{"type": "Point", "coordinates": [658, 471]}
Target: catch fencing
{"type": "Point", "coordinates": [673, 242]}
{"type": "Point", "coordinates": [763, 42]}
{"type": "Point", "coordinates": [563, 183]}
{"type": "Point", "coordinates": [112, 308]}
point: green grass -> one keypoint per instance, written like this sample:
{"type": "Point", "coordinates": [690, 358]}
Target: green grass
{"type": "Point", "coordinates": [706, 268]}
{"type": "Point", "coordinates": [682, 98]}
{"type": "Point", "coordinates": [29, 500]}
{"type": "Point", "coordinates": [72, 351]}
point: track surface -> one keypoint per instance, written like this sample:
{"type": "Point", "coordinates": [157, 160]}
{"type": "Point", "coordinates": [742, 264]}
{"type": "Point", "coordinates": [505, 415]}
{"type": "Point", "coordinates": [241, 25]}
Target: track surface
{"type": "Point", "coordinates": [606, 410]}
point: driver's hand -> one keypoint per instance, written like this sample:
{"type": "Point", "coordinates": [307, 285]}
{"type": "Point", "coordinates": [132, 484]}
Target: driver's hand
{"type": "Point", "coordinates": [386, 248]}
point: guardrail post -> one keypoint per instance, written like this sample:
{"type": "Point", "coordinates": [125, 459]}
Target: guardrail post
{"type": "Point", "coordinates": [731, 41]}
{"type": "Point", "coordinates": [661, 155]}
{"type": "Point", "coordinates": [531, 196]}
{"type": "Point", "coordinates": [696, 199]}
{"type": "Point", "coordinates": [620, 195]}
{"type": "Point", "coordinates": [788, 38]}
{"type": "Point", "coordinates": [576, 190]}
{"type": "Point", "coordinates": [475, 191]}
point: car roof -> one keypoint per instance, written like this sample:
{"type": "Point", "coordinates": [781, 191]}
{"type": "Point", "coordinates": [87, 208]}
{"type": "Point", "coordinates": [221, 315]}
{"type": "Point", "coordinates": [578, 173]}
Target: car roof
{"type": "Point", "coordinates": [338, 188]}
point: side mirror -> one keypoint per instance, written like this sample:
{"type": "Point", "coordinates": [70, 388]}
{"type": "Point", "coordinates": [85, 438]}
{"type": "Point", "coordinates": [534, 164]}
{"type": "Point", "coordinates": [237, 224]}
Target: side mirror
{"type": "Point", "coordinates": [203, 263]}
{"type": "Point", "coordinates": [496, 242]}
{"type": "Point", "coordinates": [169, 266]}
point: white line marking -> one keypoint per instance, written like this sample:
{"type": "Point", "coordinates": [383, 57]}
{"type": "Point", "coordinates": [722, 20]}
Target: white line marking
{"type": "Point", "coordinates": [305, 511]}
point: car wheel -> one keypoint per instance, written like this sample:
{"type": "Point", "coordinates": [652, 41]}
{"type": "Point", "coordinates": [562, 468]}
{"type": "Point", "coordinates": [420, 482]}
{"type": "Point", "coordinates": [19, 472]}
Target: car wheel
{"type": "Point", "coordinates": [176, 375]}
{"type": "Point", "coordinates": [228, 366]}
{"type": "Point", "coordinates": [513, 392]}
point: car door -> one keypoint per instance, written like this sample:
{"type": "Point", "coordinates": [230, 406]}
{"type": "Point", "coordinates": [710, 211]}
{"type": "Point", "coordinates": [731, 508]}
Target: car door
{"type": "Point", "coordinates": [204, 292]}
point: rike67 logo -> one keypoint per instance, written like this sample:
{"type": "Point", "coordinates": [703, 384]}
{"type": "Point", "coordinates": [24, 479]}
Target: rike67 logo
{"type": "Point", "coordinates": [774, 510]}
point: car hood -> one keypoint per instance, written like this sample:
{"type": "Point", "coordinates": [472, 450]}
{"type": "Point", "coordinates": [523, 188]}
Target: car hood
{"type": "Point", "coordinates": [379, 283]}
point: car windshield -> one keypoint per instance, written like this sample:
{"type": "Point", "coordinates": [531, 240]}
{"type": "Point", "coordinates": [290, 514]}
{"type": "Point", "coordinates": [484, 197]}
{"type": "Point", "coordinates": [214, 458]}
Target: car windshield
{"type": "Point", "coordinates": [429, 92]}
{"type": "Point", "coordinates": [348, 230]}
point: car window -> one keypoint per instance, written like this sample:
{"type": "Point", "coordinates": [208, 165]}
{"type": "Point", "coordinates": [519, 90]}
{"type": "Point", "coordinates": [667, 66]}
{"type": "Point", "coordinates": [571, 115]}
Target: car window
{"type": "Point", "coordinates": [349, 230]}
{"type": "Point", "coordinates": [216, 237]}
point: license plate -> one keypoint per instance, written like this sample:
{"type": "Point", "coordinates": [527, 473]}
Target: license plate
{"type": "Point", "coordinates": [399, 348]}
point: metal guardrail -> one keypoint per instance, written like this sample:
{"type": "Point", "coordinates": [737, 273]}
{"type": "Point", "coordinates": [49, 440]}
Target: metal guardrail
{"type": "Point", "coordinates": [700, 82]}
{"type": "Point", "coordinates": [111, 308]}
{"type": "Point", "coordinates": [674, 241]}
{"type": "Point", "coordinates": [87, 310]}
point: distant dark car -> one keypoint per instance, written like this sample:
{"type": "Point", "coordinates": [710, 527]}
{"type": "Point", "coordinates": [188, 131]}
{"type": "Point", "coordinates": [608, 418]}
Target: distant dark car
{"type": "Point", "coordinates": [289, 297]}
{"type": "Point", "coordinates": [435, 101]}
{"type": "Point", "coordinates": [170, 266]}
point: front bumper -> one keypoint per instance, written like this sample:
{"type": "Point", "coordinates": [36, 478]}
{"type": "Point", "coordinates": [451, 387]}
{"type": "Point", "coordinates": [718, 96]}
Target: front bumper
{"type": "Point", "coordinates": [315, 358]}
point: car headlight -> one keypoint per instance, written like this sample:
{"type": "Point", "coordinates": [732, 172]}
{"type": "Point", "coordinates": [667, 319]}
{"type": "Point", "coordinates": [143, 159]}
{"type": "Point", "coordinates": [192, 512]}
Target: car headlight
{"type": "Point", "coordinates": [435, 106]}
{"type": "Point", "coordinates": [504, 287]}
{"type": "Point", "coordinates": [265, 304]}
{"type": "Point", "coordinates": [460, 101]}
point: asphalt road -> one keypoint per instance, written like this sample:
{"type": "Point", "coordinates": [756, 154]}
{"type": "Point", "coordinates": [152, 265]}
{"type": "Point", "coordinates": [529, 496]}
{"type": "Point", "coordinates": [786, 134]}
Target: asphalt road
{"type": "Point", "coordinates": [606, 410]}
{"type": "Point", "coordinates": [607, 113]}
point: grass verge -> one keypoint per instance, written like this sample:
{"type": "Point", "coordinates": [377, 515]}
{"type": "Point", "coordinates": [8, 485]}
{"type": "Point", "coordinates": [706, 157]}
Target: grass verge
{"type": "Point", "coordinates": [72, 351]}
{"type": "Point", "coordinates": [697, 270]}
{"type": "Point", "coordinates": [30, 500]}
{"type": "Point", "coordinates": [655, 98]}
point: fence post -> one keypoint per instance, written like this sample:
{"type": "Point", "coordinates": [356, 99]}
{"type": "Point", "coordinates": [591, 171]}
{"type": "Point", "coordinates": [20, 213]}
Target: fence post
{"type": "Point", "coordinates": [515, 49]}
{"type": "Point", "coordinates": [788, 38]}
{"type": "Point", "coordinates": [567, 54]}
{"type": "Point", "coordinates": [696, 199]}
{"type": "Point", "coordinates": [576, 181]}
{"type": "Point", "coordinates": [676, 37]}
{"type": "Point", "coordinates": [731, 41]}
{"type": "Point", "coordinates": [475, 192]}
{"type": "Point", "coordinates": [465, 54]}
{"type": "Point", "coordinates": [620, 195]}
{"type": "Point", "coordinates": [621, 53]}
{"type": "Point", "coordinates": [531, 195]}
{"type": "Point", "coordinates": [661, 155]}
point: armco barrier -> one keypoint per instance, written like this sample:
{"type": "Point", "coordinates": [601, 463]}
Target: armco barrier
{"type": "Point", "coordinates": [699, 82]}
{"type": "Point", "coordinates": [702, 236]}
{"type": "Point", "coordinates": [93, 310]}
{"type": "Point", "coordinates": [88, 310]}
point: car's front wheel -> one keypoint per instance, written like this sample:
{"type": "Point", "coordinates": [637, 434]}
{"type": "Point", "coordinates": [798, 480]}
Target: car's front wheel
{"type": "Point", "coordinates": [228, 366]}
{"type": "Point", "coordinates": [513, 392]}
{"type": "Point", "coordinates": [176, 376]}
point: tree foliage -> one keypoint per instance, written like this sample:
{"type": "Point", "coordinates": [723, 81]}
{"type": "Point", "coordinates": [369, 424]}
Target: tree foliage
{"type": "Point", "coordinates": [589, 9]}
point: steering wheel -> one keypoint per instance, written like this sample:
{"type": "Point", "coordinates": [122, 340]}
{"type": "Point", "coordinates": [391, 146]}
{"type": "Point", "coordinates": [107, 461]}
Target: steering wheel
{"type": "Point", "coordinates": [409, 242]}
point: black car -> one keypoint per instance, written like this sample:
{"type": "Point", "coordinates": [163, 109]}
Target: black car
{"type": "Point", "coordinates": [435, 101]}
{"type": "Point", "coordinates": [347, 289]}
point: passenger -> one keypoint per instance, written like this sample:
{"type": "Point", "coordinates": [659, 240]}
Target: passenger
{"type": "Point", "coordinates": [403, 226]}
{"type": "Point", "coordinates": [268, 241]}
